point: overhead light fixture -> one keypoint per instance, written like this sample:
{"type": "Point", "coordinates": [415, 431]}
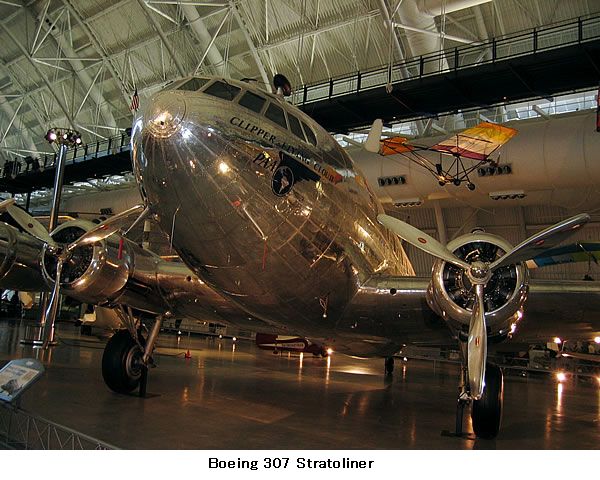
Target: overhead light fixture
{"type": "Point", "coordinates": [64, 136]}
{"type": "Point", "coordinates": [390, 181]}
{"type": "Point", "coordinates": [408, 202]}
{"type": "Point", "coordinates": [494, 170]}
{"type": "Point", "coordinates": [51, 136]}
{"type": "Point", "coordinates": [508, 195]}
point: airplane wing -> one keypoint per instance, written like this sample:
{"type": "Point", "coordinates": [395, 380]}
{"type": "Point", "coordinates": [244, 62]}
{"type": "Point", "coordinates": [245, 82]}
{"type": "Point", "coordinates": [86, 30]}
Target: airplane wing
{"type": "Point", "coordinates": [399, 307]}
{"type": "Point", "coordinates": [588, 357]}
{"type": "Point", "coordinates": [576, 252]}
{"type": "Point", "coordinates": [545, 315]}
{"type": "Point", "coordinates": [478, 142]}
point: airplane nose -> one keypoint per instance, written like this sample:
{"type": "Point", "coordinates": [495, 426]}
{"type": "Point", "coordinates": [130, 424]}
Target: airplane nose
{"type": "Point", "coordinates": [165, 114]}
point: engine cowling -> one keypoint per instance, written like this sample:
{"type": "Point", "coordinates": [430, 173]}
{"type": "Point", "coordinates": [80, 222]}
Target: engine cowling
{"type": "Point", "coordinates": [118, 271]}
{"type": "Point", "coordinates": [20, 260]}
{"type": "Point", "coordinates": [452, 295]}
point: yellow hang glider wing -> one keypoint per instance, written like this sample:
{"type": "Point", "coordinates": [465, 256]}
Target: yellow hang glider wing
{"type": "Point", "coordinates": [478, 142]}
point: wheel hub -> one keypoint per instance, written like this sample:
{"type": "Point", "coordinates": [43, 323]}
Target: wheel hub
{"type": "Point", "coordinates": [133, 362]}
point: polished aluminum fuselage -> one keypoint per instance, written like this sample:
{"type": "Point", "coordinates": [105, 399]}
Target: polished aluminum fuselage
{"type": "Point", "coordinates": [298, 259]}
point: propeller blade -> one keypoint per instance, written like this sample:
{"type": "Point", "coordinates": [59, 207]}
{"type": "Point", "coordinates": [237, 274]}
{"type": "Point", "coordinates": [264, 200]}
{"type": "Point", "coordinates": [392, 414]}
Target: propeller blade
{"type": "Point", "coordinates": [106, 228]}
{"type": "Point", "coordinates": [421, 240]}
{"type": "Point", "coordinates": [477, 346]}
{"type": "Point", "coordinates": [5, 203]}
{"type": "Point", "coordinates": [53, 304]}
{"type": "Point", "coordinates": [29, 224]}
{"type": "Point", "coordinates": [541, 241]}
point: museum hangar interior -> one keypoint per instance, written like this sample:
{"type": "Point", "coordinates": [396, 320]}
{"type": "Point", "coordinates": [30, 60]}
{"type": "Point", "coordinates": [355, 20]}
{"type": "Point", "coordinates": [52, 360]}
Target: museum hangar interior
{"type": "Point", "coordinates": [338, 210]}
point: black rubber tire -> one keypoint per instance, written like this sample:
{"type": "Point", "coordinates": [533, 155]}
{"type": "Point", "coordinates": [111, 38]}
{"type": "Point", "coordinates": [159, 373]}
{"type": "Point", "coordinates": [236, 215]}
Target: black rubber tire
{"type": "Point", "coordinates": [389, 365]}
{"type": "Point", "coordinates": [121, 363]}
{"type": "Point", "coordinates": [486, 413]}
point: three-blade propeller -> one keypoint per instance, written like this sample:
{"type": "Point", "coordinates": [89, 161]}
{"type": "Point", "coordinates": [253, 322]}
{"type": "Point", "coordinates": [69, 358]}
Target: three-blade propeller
{"type": "Point", "coordinates": [479, 274]}
{"type": "Point", "coordinates": [63, 253]}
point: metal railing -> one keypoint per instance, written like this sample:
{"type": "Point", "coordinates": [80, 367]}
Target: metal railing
{"type": "Point", "coordinates": [103, 148]}
{"type": "Point", "coordinates": [21, 430]}
{"type": "Point", "coordinates": [537, 40]}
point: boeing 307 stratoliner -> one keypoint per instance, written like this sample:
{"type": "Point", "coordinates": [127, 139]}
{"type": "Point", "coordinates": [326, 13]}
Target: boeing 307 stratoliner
{"type": "Point", "coordinates": [280, 233]}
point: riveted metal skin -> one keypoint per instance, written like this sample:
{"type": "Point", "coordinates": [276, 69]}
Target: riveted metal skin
{"type": "Point", "coordinates": [285, 229]}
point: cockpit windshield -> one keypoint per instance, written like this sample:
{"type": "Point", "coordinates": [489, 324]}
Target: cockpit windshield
{"type": "Point", "coordinates": [222, 90]}
{"type": "Point", "coordinates": [193, 85]}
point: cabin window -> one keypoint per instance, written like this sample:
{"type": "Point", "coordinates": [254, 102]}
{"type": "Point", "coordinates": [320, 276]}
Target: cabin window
{"type": "Point", "coordinates": [276, 114]}
{"type": "Point", "coordinates": [193, 84]}
{"type": "Point", "coordinates": [252, 102]}
{"type": "Point", "coordinates": [310, 135]}
{"type": "Point", "coordinates": [295, 126]}
{"type": "Point", "coordinates": [222, 90]}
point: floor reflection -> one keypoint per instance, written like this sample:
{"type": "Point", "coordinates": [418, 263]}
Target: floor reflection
{"type": "Point", "coordinates": [232, 395]}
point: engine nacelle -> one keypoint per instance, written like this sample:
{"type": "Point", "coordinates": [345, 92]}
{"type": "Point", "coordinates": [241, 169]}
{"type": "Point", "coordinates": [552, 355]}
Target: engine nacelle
{"type": "Point", "coordinates": [20, 255]}
{"type": "Point", "coordinates": [452, 296]}
{"type": "Point", "coordinates": [110, 272]}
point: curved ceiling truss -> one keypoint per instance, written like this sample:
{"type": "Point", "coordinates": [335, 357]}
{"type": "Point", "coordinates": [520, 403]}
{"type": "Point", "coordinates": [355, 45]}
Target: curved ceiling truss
{"type": "Point", "coordinates": [77, 63]}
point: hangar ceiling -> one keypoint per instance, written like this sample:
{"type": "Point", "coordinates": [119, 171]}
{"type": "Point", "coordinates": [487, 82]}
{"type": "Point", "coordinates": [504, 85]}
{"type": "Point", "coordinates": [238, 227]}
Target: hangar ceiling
{"type": "Point", "coordinates": [67, 62]}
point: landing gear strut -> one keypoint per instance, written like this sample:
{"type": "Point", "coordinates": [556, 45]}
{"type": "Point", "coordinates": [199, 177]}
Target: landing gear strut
{"type": "Point", "coordinates": [486, 413]}
{"type": "Point", "coordinates": [389, 365]}
{"type": "Point", "coordinates": [126, 358]}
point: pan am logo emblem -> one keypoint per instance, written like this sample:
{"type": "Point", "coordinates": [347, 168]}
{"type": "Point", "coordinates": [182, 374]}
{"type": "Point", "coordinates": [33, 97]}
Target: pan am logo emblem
{"type": "Point", "coordinates": [283, 181]}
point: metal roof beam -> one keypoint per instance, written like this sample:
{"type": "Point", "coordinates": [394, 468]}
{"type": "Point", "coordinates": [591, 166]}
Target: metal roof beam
{"type": "Point", "coordinates": [436, 34]}
{"type": "Point", "coordinates": [40, 73]}
{"type": "Point", "coordinates": [100, 49]}
{"type": "Point", "coordinates": [259, 64]}
{"type": "Point", "coordinates": [163, 37]}
{"type": "Point", "coordinates": [204, 37]}
{"type": "Point", "coordinates": [89, 83]}
{"type": "Point", "coordinates": [17, 124]}
{"type": "Point", "coordinates": [389, 26]}
{"type": "Point", "coordinates": [317, 31]}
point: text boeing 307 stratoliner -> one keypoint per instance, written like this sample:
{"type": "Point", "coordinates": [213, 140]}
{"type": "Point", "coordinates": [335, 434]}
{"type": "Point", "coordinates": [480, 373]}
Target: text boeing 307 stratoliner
{"type": "Point", "coordinates": [282, 235]}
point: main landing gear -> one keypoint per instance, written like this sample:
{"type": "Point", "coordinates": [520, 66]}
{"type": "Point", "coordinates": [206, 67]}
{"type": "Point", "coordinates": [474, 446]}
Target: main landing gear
{"type": "Point", "coordinates": [128, 355]}
{"type": "Point", "coordinates": [122, 362]}
{"type": "Point", "coordinates": [389, 366]}
{"type": "Point", "coordinates": [486, 413]}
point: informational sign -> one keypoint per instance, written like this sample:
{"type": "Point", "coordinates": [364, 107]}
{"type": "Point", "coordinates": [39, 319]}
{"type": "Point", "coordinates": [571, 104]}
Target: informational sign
{"type": "Point", "coordinates": [17, 376]}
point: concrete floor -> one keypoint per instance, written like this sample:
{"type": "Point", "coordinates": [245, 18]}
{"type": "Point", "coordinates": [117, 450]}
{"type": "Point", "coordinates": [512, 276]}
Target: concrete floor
{"type": "Point", "coordinates": [234, 396]}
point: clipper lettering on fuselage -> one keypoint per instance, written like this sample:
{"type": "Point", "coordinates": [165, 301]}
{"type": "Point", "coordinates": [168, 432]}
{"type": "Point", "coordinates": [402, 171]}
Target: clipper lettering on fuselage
{"type": "Point", "coordinates": [323, 171]}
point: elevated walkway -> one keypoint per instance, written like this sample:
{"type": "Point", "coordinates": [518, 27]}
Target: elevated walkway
{"type": "Point", "coordinates": [95, 160]}
{"type": "Point", "coordinates": [539, 63]}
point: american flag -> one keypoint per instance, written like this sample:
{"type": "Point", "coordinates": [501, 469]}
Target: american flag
{"type": "Point", "coordinates": [598, 110]}
{"type": "Point", "coordinates": [135, 101]}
